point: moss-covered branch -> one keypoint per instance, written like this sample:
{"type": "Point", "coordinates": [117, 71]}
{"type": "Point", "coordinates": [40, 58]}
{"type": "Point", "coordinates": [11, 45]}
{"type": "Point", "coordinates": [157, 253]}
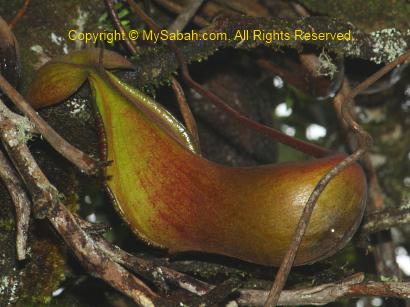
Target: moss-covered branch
{"type": "Point", "coordinates": [158, 63]}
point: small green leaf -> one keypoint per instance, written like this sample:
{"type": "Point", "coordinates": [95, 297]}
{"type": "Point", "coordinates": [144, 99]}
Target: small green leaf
{"type": "Point", "coordinates": [123, 13]}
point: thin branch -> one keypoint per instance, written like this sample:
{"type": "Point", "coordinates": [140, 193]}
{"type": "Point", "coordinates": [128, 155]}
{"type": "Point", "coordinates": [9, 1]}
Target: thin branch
{"type": "Point", "coordinates": [305, 147]}
{"type": "Point", "coordinates": [143, 16]}
{"type": "Point", "coordinates": [20, 13]}
{"type": "Point", "coordinates": [364, 142]}
{"type": "Point", "coordinates": [153, 271]}
{"type": "Point", "coordinates": [117, 22]}
{"type": "Point", "coordinates": [287, 262]}
{"type": "Point", "coordinates": [47, 205]}
{"type": "Point", "coordinates": [318, 295]}
{"type": "Point", "coordinates": [377, 75]}
{"type": "Point", "coordinates": [308, 148]}
{"type": "Point", "coordinates": [352, 286]}
{"type": "Point", "coordinates": [185, 16]}
{"type": "Point", "coordinates": [20, 201]}
{"type": "Point", "coordinates": [81, 160]}
{"type": "Point", "coordinates": [379, 221]}
{"type": "Point", "coordinates": [328, 293]}
{"type": "Point", "coordinates": [218, 294]}
{"type": "Point", "coordinates": [157, 66]}
{"type": "Point", "coordinates": [186, 112]}
{"type": "Point", "coordinates": [96, 262]}
{"type": "Point", "coordinates": [297, 80]}
{"type": "Point", "coordinates": [44, 195]}
{"type": "Point", "coordinates": [142, 267]}
{"type": "Point", "coordinates": [178, 9]}
{"type": "Point", "coordinates": [160, 275]}
{"type": "Point", "coordinates": [101, 264]}
{"type": "Point", "coordinates": [383, 250]}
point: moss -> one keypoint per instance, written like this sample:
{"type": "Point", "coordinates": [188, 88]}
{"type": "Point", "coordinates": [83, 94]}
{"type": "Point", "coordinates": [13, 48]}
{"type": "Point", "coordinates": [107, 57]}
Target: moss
{"type": "Point", "coordinates": [367, 15]}
{"type": "Point", "coordinates": [157, 64]}
{"type": "Point", "coordinates": [23, 134]}
{"type": "Point", "coordinates": [42, 34]}
{"type": "Point", "coordinates": [48, 268]}
{"type": "Point", "coordinates": [45, 26]}
{"type": "Point", "coordinates": [7, 224]}
{"type": "Point", "coordinates": [9, 274]}
{"type": "Point", "coordinates": [30, 284]}
{"type": "Point", "coordinates": [326, 66]}
{"type": "Point", "coordinates": [385, 45]}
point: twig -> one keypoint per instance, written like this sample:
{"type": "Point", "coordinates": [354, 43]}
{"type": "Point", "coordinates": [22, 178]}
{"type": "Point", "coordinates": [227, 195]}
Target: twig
{"type": "Point", "coordinates": [137, 265]}
{"type": "Point", "coordinates": [186, 112]}
{"type": "Point", "coordinates": [101, 264]}
{"type": "Point", "coordinates": [364, 141]}
{"type": "Point", "coordinates": [377, 75]}
{"type": "Point", "coordinates": [299, 9]}
{"type": "Point", "coordinates": [383, 250]}
{"type": "Point", "coordinates": [318, 295]}
{"type": "Point", "coordinates": [96, 262]}
{"type": "Point", "coordinates": [384, 254]}
{"type": "Point", "coordinates": [305, 147]}
{"type": "Point", "coordinates": [384, 247]}
{"type": "Point", "coordinates": [159, 273]}
{"type": "Point", "coordinates": [218, 294]}
{"type": "Point", "coordinates": [184, 17]}
{"type": "Point", "coordinates": [178, 9]}
{"type": "Point", "coordinates": [156, 272]}
{"type": "Point", "coordinates": [189, 119]}
{"type": "Point", "coordinates": [92, 228]}
{"type": "Point", "coordinates": [308, 148]}
{"type": "Point", "coordinates": [287, 262]}
{"type": "Point", "coordinates": [20, 201]}
{"type": "Point", "coordinates": [297, 80]}
{"type": "Point", "coordinates": [322, 294]}
{"type": "Point", "coordinates": [143, 16]}
{"type": "Point", "coordinates": [153, 271]}
{"type": "Point", "coordinates": [44, 195]}
{"type": "Point", "coordinates": [47, 205]}
{"type": "Point", "coordinates": [77, 157]}
{"type": "Point", "coordinates": [154, 67]}
{"type": "Point", "coordinates": [327, 293]}
{"type": "Point", "coordinates": [315, 151]}
{"type": "Point", "coordinates": [20, 13]}
{"type": "Point", "coordinates": [384, 220]}
{"type": "Point", "coordinates": [117, 22]}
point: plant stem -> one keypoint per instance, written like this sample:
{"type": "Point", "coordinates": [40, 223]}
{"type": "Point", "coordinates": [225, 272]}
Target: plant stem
{"type": "Point", "coordinates": [77, 157]}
